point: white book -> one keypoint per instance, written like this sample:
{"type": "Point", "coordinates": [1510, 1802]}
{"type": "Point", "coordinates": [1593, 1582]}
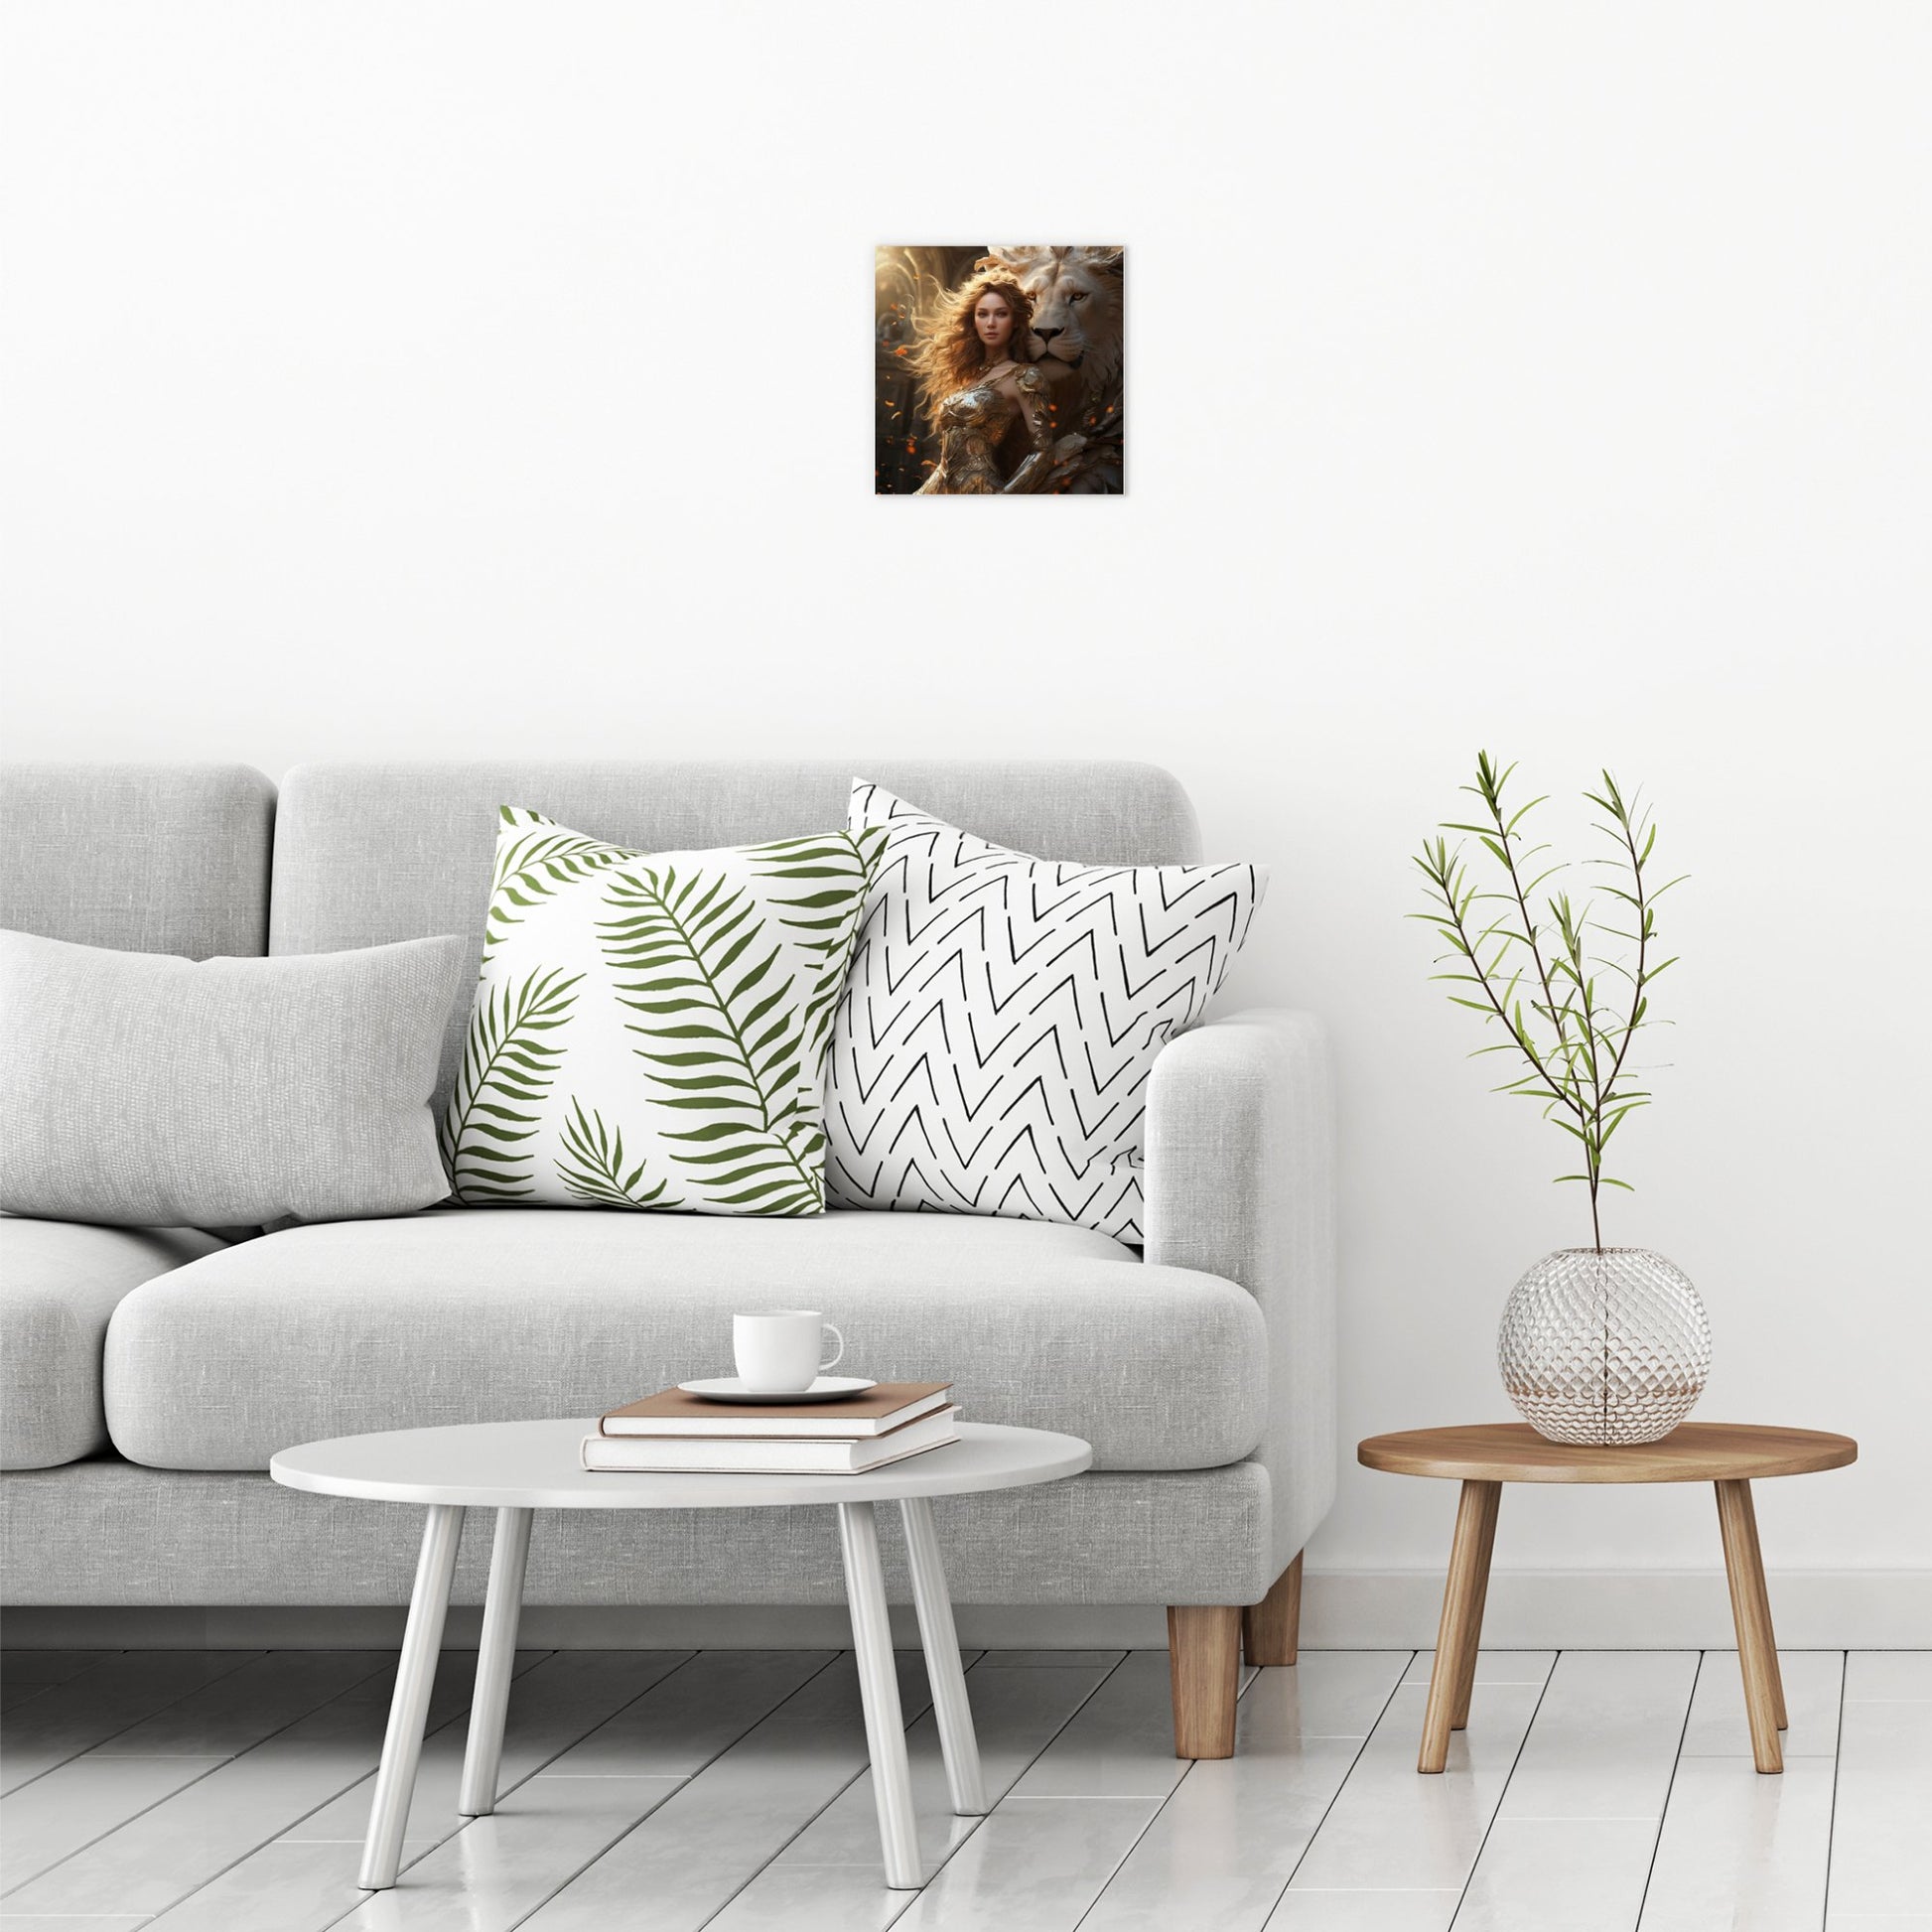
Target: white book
{"type": "Point", "coordinates": [664, 1455]}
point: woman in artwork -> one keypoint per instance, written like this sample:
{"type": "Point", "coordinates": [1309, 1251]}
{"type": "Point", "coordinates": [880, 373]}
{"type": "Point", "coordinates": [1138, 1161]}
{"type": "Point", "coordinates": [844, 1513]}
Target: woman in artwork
{"type": "Point", "coordinates": [984, 396]}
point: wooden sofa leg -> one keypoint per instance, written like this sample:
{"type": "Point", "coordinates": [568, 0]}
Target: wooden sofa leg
{"type": "Point", "coordinates": [1205, 1659]}
{"type": "Point", "coordinates": [1270, 1630]}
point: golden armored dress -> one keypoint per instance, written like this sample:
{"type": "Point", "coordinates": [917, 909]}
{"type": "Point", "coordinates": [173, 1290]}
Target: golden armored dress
{"type": "Point", "coordinates": [974, 424]}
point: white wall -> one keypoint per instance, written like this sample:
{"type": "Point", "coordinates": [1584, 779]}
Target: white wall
{"type": "Point", "coordinates": [452, 379]}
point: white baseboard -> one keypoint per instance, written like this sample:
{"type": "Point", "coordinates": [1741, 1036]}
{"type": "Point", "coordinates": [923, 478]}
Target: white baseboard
{"type": "Point", "coordinates": [1871, 1609]}
{"type": "Point", "coordinates": [1596, 1609]}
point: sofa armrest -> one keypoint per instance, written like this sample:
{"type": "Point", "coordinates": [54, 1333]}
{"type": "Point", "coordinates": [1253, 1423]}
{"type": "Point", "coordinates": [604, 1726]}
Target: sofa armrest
{"type": "Point", "coordinates": [1240, 1183]}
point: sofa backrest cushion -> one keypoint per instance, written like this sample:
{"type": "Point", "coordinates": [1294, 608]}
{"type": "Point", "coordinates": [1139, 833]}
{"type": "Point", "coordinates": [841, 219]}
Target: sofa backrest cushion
{"type": "Point", "coordinates": [369, 853]}
{"type": "Point", "coordinates": [140, 858]}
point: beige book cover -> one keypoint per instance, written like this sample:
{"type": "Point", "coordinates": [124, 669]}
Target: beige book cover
{"type": "Point", "coordinates": [875, 1412]}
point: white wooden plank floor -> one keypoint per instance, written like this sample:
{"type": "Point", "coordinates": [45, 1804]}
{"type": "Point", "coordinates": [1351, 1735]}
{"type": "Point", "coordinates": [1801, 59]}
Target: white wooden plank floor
{"type": "Point", "coordinates": [1594, 1791]}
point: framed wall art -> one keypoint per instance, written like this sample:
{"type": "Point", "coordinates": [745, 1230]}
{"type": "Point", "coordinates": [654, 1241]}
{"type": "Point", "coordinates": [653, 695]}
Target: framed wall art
{"type": "Point", "coordinates": [1000, 371]}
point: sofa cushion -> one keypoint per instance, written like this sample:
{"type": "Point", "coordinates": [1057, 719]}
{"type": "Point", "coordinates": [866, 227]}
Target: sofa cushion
{"type": "Point", "coordinates": [650, 1028]}
{"type": "Point", "coordinates": [148, 1091]}
{"type": "Point", "coordinates": [59, 1281]}
{"type": "Point", "coordinates": [367, 853]}
{"type": "Point", "coordinates": [143, 858]}
{"type": "Point", "coordinates": [994, 1046]}
{"type": "Point", "coordinates": [486, 1315]}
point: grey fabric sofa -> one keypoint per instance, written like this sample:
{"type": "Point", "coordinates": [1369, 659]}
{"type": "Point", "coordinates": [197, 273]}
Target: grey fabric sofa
{"type": "Point", "coordinates": [149, 1376]}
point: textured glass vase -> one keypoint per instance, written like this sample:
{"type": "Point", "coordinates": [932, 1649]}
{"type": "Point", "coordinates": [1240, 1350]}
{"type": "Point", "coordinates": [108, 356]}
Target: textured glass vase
{"type": "Point", "coordinates": [1604, 1346]}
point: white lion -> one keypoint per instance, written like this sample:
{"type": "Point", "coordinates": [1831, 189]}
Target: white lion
{"type": "Point", "coordinates": [1076, 297]}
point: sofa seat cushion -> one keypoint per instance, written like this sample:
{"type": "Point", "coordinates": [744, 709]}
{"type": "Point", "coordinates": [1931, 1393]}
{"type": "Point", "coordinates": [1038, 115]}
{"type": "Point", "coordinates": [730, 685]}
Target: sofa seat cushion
{"type": "Point", "coordinates": [60, 1282]}
{"type": "Point", "coordinates": [488, 1315]}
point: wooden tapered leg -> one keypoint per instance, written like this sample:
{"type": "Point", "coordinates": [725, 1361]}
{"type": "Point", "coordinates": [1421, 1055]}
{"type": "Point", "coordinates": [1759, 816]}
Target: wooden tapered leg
{"type": "Point", "coordinates": [1757, 1656]}
{"type": "Point", "coordinates": [1466, 1675]}
{"type": "Point", "coordinates": [1270, 1630]}
{"type": "Point", "coordinates": [1204, 1657]}
{"type": "Point", "coordinates": [1461, 1625]}
{"type": "Point", "coordinates": [1764, 1608]}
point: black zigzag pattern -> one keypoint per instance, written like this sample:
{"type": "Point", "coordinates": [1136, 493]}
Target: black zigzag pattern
{"type": "Point", "coordinates": [1001, 1019]}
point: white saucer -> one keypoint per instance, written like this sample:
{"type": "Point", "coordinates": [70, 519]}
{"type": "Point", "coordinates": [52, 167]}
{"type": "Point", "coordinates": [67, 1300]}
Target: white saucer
{"type": "Point", "coordinates": [732, 1388]}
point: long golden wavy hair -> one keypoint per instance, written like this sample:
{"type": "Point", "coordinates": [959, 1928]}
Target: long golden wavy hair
{"type": "Point", "coordinates": [950, 356]}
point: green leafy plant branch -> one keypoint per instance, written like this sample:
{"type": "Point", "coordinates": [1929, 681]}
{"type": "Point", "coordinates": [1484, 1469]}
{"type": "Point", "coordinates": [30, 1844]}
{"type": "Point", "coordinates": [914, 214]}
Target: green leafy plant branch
{"type": "Point", "coordinates": [1575, 1044]}
{"type": "Point", "coordinates": [531, 867]}
{"type": "Point", "coordinates": [593, 1166]}
{"type": "Point", "coordinates": [838, 869]}
{"type": "Point", "coordinates": [504, 1056]}
{"type": "Point", "coordinates": [728, 1044]}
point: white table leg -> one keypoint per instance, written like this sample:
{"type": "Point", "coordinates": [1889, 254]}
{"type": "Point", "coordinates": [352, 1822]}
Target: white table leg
{"type": "Point", "coordinates": [942, 1669]}
{"type": "Point", "coordinates": [402, 1745]}
{"type": "Point", "coordinates": [871, 1640]}
{"type": "Point", "coordinates": [496, 1664]}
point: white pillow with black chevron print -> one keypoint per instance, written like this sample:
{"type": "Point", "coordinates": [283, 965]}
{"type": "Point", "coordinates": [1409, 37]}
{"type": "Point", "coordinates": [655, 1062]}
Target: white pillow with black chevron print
{"type": "Point", "coordinates": [650, 1029]}
{"type": "Point", "coordinates": [1001, 1017]}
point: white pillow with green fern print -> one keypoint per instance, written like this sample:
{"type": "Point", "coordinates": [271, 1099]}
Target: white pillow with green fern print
{"type": "Point", "coordinates": [650, 1029]}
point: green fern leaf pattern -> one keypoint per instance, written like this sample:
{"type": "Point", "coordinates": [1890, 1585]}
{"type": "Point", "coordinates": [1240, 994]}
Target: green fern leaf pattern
{"type": "Point", "coordinates": [689, 952]}
{"type": "Point", "coordinates": [594, 1167]}
{"type": "Point", "coordinates": [508, 1064]}
{"type": "Point", "coordinates": [533, 866]}
{"type": "Point", "coordinates": [836, 874]}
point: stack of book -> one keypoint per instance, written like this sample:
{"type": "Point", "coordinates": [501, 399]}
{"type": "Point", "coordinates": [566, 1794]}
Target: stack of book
{"type": "Point", "coordinates": [675, 1431]}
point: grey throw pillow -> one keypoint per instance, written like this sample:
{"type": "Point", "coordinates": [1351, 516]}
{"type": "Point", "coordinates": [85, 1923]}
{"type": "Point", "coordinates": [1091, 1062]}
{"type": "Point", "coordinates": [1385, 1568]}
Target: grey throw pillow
{"type": "Point", "coordinates": [145, 1090]}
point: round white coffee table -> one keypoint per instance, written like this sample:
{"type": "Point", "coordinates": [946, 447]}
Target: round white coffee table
{"type": "Point", "coordinates": [514, 1468]}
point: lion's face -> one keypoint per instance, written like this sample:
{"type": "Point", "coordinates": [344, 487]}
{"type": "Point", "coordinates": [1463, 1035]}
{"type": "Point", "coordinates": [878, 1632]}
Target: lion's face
{"type": "Point", "coordinates": [1075, 294]}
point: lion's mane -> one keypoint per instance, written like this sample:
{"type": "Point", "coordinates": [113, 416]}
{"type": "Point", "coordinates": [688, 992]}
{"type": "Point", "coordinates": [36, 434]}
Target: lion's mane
{"type": "Point", "coordinates": [1076, 299]}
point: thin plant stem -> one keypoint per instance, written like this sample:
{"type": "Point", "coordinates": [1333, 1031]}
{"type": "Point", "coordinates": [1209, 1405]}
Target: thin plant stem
{"type": "Point", "coordinates": [1578, 1072]}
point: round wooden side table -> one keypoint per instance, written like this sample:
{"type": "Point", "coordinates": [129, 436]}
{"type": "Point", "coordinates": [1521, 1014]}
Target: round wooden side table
{"type": "Point", "coordinates": [1486, 1455]}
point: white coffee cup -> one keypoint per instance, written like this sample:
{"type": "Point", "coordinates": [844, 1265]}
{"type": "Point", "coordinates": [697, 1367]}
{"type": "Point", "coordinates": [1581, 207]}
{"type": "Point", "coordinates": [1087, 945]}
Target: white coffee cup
{"type": "Point", "coordinates": [781, 1350]}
